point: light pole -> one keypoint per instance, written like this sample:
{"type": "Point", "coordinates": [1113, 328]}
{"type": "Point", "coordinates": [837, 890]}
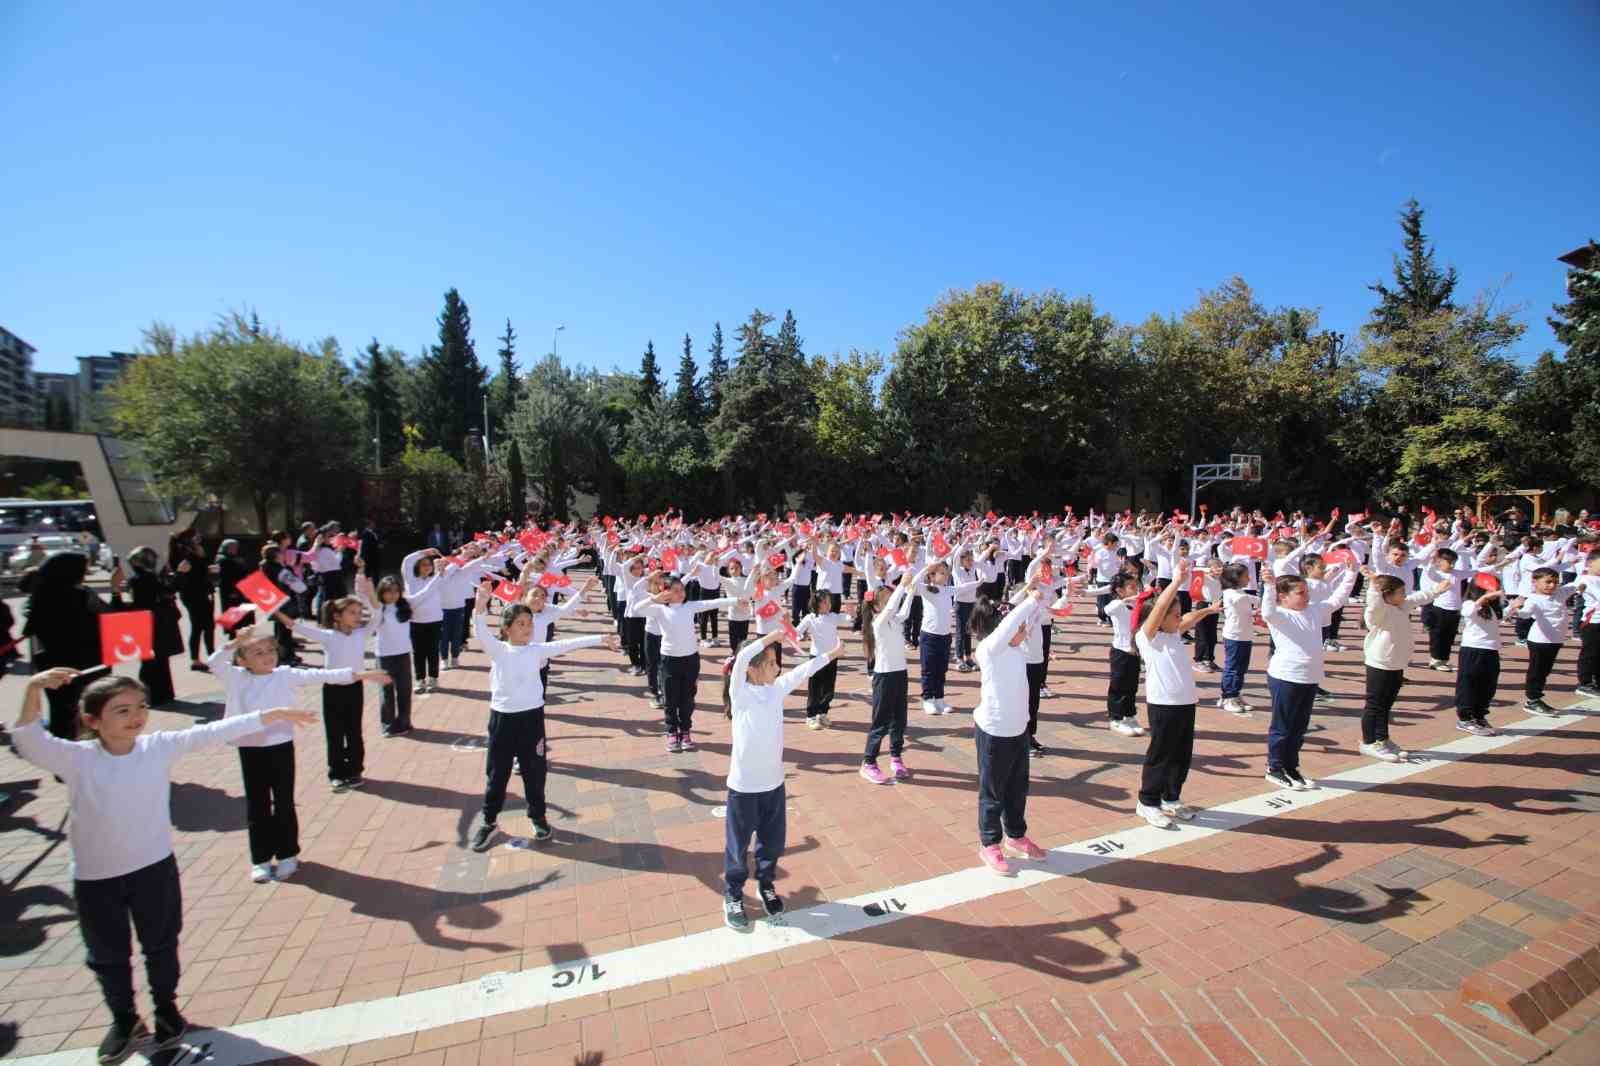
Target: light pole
{"type": "Point", "coordinates": [555, 338]}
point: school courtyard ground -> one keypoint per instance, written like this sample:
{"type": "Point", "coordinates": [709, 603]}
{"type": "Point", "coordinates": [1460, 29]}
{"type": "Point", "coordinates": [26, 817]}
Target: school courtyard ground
{"type": "Point", "coordinates": [1441, 911]}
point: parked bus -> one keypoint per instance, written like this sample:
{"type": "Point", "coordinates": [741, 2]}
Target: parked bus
{"type": "Point", "coordinates": [54, 525]}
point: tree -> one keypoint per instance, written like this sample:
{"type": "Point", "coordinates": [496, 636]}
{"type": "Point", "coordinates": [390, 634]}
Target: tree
{"type": "Point", "coordinates": [562, 433]}
{"type": "Point", "coordinates": [649, 377]}
{"type": "Point", "coordinates": [1577, 325]}
{"type": "Point", "coordinates": [767, 411]}
{"type": "Point", "coordinates": [431, 486]}
{"type": "Point", "coordinates": [450, 382]}
{"type": "Point", "coordinates": [233, 411]}
{"type": "Point", "coordinates": [688, 405]}
{"type": "Point", "coordinates": [1421, 288]}
{"type": "Point", "coordinates": [516, 482]}
{"type": "Point", "coordinates": [506, 388]}
{"type": "Point", "coordinates": [379, 387]}
{"type": "Point", "coordinates": [716, 372]}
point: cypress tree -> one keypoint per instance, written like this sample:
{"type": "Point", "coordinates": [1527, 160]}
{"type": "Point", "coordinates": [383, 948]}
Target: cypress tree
{"type": "Point", "coordinates": [451, 381]}
{"type": "Point", "coordinates": [687, 402]}
{"type": "Point", "coordinates": [649, 377]}
{"type": "Point", "coordinates": [716, 372]}
{"type": "Point", "coordinates": [1420, 287]}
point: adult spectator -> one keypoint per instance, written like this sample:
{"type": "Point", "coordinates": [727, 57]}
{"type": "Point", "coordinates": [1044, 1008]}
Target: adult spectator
{"type": "Point", "coordinates": [231, 568]}
{"type": "Point", "coordinates": [371, 548]}
{"type": "Point", "coordinates": [436, 538]}
{"type": "Point", "coordinates": [193, 585]}
{"type": "Point", "coordinates": [63, 618]}
{"type": "Point", "coordinates": [155, 589]}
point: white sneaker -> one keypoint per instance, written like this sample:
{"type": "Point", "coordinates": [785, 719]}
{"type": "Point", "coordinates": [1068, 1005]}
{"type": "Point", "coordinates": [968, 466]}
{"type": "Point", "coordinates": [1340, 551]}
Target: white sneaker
{"type": "Point", "coordinates": [285, 869]}
{"type": "Point", "coordinates": [813, 723]}
{"type": "Point", "coordinates": [1154, 815]}
{"type": "Point", "coordinates": [1399, 753]}
{"type": "Point", "coordinates": [1439, 665]}
{"type": "Point", "coordinates": [1300, 782]}
{"type": "Point", "coordinates": [1181, 811]}
{"type": "Point", "coordinates": [1138, 730]}
{"type": "Point", "coordinates": [1045, 693]}
{"type": "Point", "coordinates": [931, 708]}
{"type": "Point", "coordinates": [261, 873]}
{"type": "Point", "coordinates": [1234, 705]}
{"type": "Point", "coordinates": [1124, 726]}
{"type": "Point", "coordinates": [420, 688]}
{"type": "Point", "coordinates": [1376, 750]}
{"type": "Point", "coordinates": [944, 708]}
{"type": "Point", "coordinates": [824, 720]}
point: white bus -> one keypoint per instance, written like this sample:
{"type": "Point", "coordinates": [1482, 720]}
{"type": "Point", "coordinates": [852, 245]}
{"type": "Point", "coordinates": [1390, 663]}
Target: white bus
{"type": "Point", "coordinates": [58, 525]}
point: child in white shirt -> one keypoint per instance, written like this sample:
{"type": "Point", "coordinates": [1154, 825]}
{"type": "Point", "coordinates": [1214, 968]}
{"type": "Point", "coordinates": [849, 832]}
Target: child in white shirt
{"type": "Point", "coordinates": [1478, 672]}
{"type": "Point", "coordinates": [1170, 699]}
{"type": "Point", "coordinates": [1546, 609]}
{"type": "Point", "coordinates": [344, 645]}
{"type": "Point", "coordinates": [822, 625]}
{"type": "Point", "coordinates": [884, 613]}
{"type": "Point", "coordinates": [1000, 728]}
{"type": "Point", "coordinates": [1296, 668]}
{"type": "Point", "coordinates": [1238, 636]}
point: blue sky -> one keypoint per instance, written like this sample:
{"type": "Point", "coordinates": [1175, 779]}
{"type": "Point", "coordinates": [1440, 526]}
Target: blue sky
{"type": "Point", "coordinates": [639, 171]}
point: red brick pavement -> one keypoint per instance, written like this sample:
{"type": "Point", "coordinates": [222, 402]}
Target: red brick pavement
{"type": "Point", "coordinates": [1335, 934]}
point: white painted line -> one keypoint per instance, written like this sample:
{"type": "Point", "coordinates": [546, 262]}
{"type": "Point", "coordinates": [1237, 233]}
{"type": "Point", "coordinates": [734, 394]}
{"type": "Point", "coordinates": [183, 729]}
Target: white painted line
{"type": "Point", "coordinates": [318, 1030]}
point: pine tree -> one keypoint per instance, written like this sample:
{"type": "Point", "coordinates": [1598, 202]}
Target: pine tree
{"type": "Point", "coordinates": [788, 346]}
{"type": "Point", "coordinates": [1577, 325]}
{"type": "Point", "coordinates": [1420, 287]}
{"type": "Point", "coordinates": [649, 377]}
{"type": "Point", "coordinates": [451, 381]}
{"type": "Point", "coordinates": [516, 483]}
{"type": "Point", "coordinates": [687, 402]}
{"type": "Point", "coordinates": [716, 373]}
{"type": "Point", "coordinates": [506, 388]}
{"type": "Point", "coordinates": [379, 387]}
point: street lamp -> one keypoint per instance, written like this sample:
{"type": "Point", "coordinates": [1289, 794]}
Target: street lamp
{"type": "Point", "coordinates": [555, 338]}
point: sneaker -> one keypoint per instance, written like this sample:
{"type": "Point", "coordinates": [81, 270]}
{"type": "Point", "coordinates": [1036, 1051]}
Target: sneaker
{"type": "Point", "coordinates": [261, 873]}
{"type": "Point", "coordinates": [1490, 731]}
{"type": "Point", "coordinates": [1300, 782]}
{"type": "Point", "coordinates": [1138, 730]}
{"type": "Point", "coordinates": [685, 742]}
{"type": "Point", "coordinates": [170, 1026]}
{"type": "Point", "coordinates": [1539, 707]}
{"type": "Point", "coordinates": [1328, 645]}
{"type": "Point", "coordinates": [542, 831]}
{"type": "Point", "coordinates": [995, 859]}
{"type": "Point", "coordinates": [1035, 749]}
{"type": "Point", "coordinates": [339, 786]}
{"type": "Point", "coordinates": [874, 776]}
{"type": "Point", "coordinates": [1181, 811]}
{"type": "Point", "coordinates": [1323, 697]}
{"type": "Point", "coordinates": [355, 782]}
{"type": "Point", "coordinates": [285, 868]}
{"type": "Point", "coordinates": [824, 720]}
{"type": "Point", "coordinates": [485, 833]}
{"type": "Point", "coordinates": [1377, 750]}
{"type": "Point", "coordinates": [419, 688]}
{"type": "Point", "coordinates": [1154, 815]}
{"type": "Point", "coordinates": [674, 743]}
{"type": "Point", "coordinates": [1440, 665]}
{"type": "Point", "coordinates": [931, 708]}
{"type": "Point", "coordinates": [897, 769]}
{"type": "Point", "coordinates": [813, 723]}
{"type": "Point", "coordinates": [1022, 848]}
{"type": "Point", "coordinates": [121, 1037]}
{"type": "Point", "coordinates": [944, 708]}
{"type": "Point", "coordinates": [1234, 705]}
{"type": "Point", "coordinates": [1522, 644]}
{"type": "Point", "coordinates": [1124, 726]}
{"type": "Point", "coordinates": [771, 900]}
{"type": "Point", "coordinates": [733, 915]}
{"type": "Point", "coordinates": [1045, 693]}
{"type": "Point", "coordinates": [1400, 754]}
{"type": "Point", "coordinates": [1280, 778]}
{"type": "Point", "coordinates": [1588, 692]}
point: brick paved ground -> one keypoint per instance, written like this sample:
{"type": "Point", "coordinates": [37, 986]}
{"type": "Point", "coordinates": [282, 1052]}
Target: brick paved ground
{"type": "Point", "coordinates": [1336, 934]}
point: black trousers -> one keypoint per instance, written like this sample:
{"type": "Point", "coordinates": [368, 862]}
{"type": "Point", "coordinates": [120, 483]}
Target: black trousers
{"type": "Point", "coordinates": [963, 638]}
{"type": "Point", "coordinates": [799, 602]}
{"type": "Point", "coordinates": [763, 815]}
{"type": "Point", "coordinates": [516, 738]}
{"type": "Point", "coordinates": [1442, 625]}
{"type": "Point", "coordinates": [707, 620]}
{"type": "Point", "coordinates": [1541, 657]}
{"type": "Point", "coordinates": [633, 640]}
{"type": "Point", "coordinates": [890, 691]}
{"type": "Point", "coordinates": [1171, 750]}
{"type": "Point", "coordinates": [269, 802]}
{"type": "Point", "coordinates": [156, 674]}
{"type": "Point", "coordinates": [819, 690]}
{"type": "Point", "coordinates": [341, 722]}
{"type": "Point", "coordinates": [1002, 786]}
{"type": "Point", "coordinates": [153, 898]}
{"type": "Point", "coordinates": [738, 633]}
{"type": "Point", "coordinates": [1046, 629]}
{"type": "Point", "coordinates": [1589, 654]}
{"type": "Point", "coordinates": [202, 618]}
{"type": "Point", "coordinates": [913, 623]}
{"type": "Point", "coordinates": [425, 649]}
{"type": "Point", "coordinates": [1382, 688]}
{"type": "Point", "coordinates": [1035, 684]}
{"type": "Point", "coordinates": [1477, 677]}
{"type": "Point", "coordinates": [1124, 686]}
{"type": "Point", "coordinates": [652, 663]}
{"type": "Point", "coordinates": [1205, 635]}
{"type": "Point", "coordinates": [395, 711]}
{"type": "Point", "coordinates": [679, 683]}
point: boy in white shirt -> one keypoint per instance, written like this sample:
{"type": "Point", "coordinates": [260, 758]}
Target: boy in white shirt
{"type": "Point", "coordinates": [1296, 668]}
{"type": "Point", "coordinates": [1546, 609]}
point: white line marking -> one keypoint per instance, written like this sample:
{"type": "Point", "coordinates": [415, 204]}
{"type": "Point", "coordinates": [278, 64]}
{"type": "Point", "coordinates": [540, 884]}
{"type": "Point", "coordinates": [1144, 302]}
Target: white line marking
{"type": "Point", "coordinates": [354, 1023]}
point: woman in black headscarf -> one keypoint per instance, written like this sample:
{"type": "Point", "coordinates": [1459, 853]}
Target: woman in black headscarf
{"type": "Point", "coordinates": [155, 589]}
{"type": "Point", "coordinates": [63, 617]}
{"type": "Point", "coordinates": [193, 586]}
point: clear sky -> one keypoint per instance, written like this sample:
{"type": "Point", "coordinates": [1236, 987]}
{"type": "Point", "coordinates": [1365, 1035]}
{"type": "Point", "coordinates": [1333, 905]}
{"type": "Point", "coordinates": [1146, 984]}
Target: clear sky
{"type": "Point", "coordinates": [636, 171]}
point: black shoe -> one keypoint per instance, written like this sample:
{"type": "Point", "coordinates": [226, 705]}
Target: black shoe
{"type": "Point", "coordinates": [354, 781]}
{"type": "Point", "coordinates": [771, 900]}
{"type": "Point", "coordinates": [339, 785]}
{"type": "Point", "coordinates": [480, 839]}
{"type": "Point", "coordinates": [733, 915]}
{"type": "Point", "coordinates": [542, 831]}
{"type": "Point", "coordinates": [1035, 749]}
{"type": "Point", "coordinates": [1280, 778]}
{"type": "Point", "coordinates": [121, 1037]}
{"type": "Point", "coordinates": [170, 1027]}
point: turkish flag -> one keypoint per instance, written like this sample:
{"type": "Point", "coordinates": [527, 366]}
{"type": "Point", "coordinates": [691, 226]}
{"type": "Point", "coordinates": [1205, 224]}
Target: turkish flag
{"type": "Point", "coordinates": [127, 637]}
{"type": "Point", "coordinates": [1486, 581]}
{"type": "Point", "coordinates": [940, 545]}
{"type": "Point", "coordinates": [1197, 586]}
{"type": "Point", "coordinates": [767, 609]}
{"type": "Point", "coordinates": [777, 559]}
{"type": "Point", "coordinates": [1339, 556]}
{"type": "Point", "coordinates": [791, 633]}
{"type": "Point", "coordinates": [260, 590]}
{"type": "Point", "coordinates": [506, 590]}
{"type": "Point", "coordinates": [234, 617]}
{"type": "Point", "coordinates": [1045, 574]}
{"type": "Point", "coordinates": [669, 558]}
{"type": "Point", "coordinates": [1249, 547]}
{"type": "Point", "coordinates": [898, 557]}
{"type": "Point", "coordinates": [1062, 612]}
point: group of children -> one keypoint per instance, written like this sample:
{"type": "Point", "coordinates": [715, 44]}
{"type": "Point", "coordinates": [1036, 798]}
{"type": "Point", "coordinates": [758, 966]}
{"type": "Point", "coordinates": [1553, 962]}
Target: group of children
{"type": "Point", "coordinates": [987, 590]}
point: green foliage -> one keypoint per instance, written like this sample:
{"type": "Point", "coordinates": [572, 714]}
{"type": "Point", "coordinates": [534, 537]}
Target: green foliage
{"type": "Point", "coordinates": [516, 482]}
{"type": "Point", "coordinates": [688, 403]}
{"type": "Point", "coordinates": [379, 383]}
{"type": "Point", "coordinates": [767, 412]}
{"type": "Point", "coordinates": [432, 485]}
{"type": "Point", "coordinates": [506, 388]}
{"type": "Point", "coordinates": [563, 433]}
{"type": "Point", "coordinates": [716, 372]}
{"type": "Point", "coordinates": [449, 391]}
{"type": "Point", "coordinates": [649, 377]}
{"type": "Point", "coordinates": [54, 489]}
{"type": "Point", "coordinates": [1420, 287]}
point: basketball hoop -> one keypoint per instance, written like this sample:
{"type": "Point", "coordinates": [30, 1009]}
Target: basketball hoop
{"type": "Point", "coordinates": [1241, 466]}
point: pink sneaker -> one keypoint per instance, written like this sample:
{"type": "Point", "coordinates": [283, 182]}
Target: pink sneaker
{"type": "Point", "coordinates": [1022, 847]}
{"type": "Point", "coordinates": [673, 743]}
{"type": "Point", "coordinates": [994, 859]}
{"type": "Point", "coordinates": [685, 742]}
{"type": "Point", "coordinates": [898, 768]}
{"type": "Point", "coordinates": [873, 775]}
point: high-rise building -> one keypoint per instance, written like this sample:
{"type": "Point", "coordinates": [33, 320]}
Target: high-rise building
{"type": "Point", "coordinates": [58, 392]}
{"type": "Point", "coordinates": [16, 380]}
{"type": "Point", "coordinates": [96, 373]}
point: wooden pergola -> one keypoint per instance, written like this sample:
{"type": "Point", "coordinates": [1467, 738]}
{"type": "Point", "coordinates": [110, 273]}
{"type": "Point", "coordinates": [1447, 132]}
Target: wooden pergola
{"type": "Point", "coordinates": [1533, 496]}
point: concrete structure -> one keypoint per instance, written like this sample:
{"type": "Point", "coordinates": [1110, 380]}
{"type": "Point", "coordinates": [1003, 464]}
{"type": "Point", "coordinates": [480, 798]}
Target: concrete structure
{"type": "Point", "coordinates": [129, 510]}
{"type": "Point", "coordinates": [16, 379]}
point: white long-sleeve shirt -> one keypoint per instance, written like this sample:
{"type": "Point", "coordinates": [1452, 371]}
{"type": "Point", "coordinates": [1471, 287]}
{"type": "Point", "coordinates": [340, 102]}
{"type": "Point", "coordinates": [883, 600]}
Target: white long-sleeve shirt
{"type": "Point", "coordinates": [888, 653]}
{"type": "Point", "coordinates": [1549, 614]}
{"type": "Point", "coordinates": [1297, 654]}
{"type": "Point", "coordinates": [1002, 709]}
{"type": "Point", "coordinates": [823, 629]}
{"type": "Point", "coordinates": [514, 684]}
{"type": "Point", "coordinates": [247, 692]}
{"type": "Point", "coordinates": [677, 623]}
{"type": "Point", "coordinates": [1479, 628]}
{"type": "Point", "coordinates": [394, 636]}
{"type": "Point", "coordinates": [122, 804]}
{"type": "Point", "coordinates": [341, 651]}
{"type": "Point", "coordinates": [1387, 645]}
{"type": "Point", "coordinates": [756, 761]}
{"type": "Point", "coordinates": [939, 607]}
{"type": "Point", "coordinates": [422, 592]}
